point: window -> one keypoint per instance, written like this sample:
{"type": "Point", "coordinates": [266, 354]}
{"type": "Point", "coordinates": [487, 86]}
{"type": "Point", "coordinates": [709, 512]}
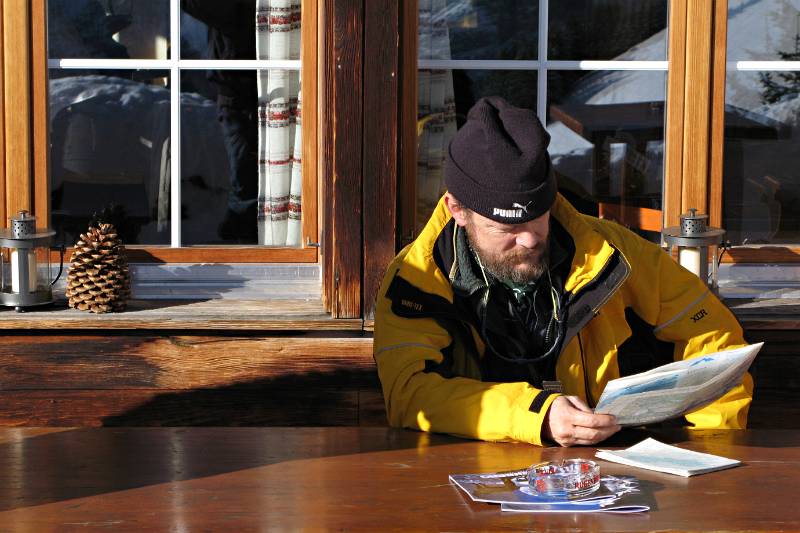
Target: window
{"type": "Point", "coordinates": [595, 72]}
{"type": "Point", "coordinates": [183, 119]}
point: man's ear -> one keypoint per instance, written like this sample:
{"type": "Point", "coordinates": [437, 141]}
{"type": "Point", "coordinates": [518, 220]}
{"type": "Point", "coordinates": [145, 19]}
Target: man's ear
{"type": "Point", "coordinates": [458, 212]}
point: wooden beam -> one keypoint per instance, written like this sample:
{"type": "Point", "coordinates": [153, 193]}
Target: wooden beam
{"type": "Point", "coordinates": [697, 105]}
{"type": "Point", "coordinates": [17, 104]}
{"type": "Point", "coordinates": [40, 149]}
{"type": "Point", "coordinates": [3, 217]}
{"type": "Point", "coordinates": [213, 254]}
{"type": "Point", "coordinates": [149, 380]}
{"type": "Point", "coordinates": [325, 164]}
{"type": "Point", "coordinates": [348, 33]}
{"type": "Point", "coordinates": [381, 69]}
{"type": "Point", "coordinates": [78, 362]}
{"type": "Point", "coordinates": [310, 119]}
{"type": "Point", "coordinates": [193, 315]}
{"type": "Point", "coordinates": [717, 136]}
{"type": "Point", "coordinates": [409, 21]}
{"type": "Point", "coordinates": [676, 81]}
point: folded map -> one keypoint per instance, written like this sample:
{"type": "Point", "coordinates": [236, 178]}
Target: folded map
{"type": "Point", "coordinates": [675, 389]}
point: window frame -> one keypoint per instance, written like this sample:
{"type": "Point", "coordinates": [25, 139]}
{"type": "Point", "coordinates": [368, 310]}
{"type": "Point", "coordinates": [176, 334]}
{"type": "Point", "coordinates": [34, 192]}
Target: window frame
{"type": "Point", "coordinates": [39, 195]}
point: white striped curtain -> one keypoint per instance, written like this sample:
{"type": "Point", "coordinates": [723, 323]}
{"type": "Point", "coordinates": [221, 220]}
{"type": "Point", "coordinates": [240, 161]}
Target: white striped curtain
{"type": "Point", "coordinates": [279, 132]}
{"type": "Point", "coordinates": [436, 103]}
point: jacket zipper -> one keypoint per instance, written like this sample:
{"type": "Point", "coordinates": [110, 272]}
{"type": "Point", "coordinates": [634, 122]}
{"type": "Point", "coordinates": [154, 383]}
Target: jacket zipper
{"type": "Point", "coordinates": [585, 377]}
{"type": "Point", "coordinates": [613, 289]}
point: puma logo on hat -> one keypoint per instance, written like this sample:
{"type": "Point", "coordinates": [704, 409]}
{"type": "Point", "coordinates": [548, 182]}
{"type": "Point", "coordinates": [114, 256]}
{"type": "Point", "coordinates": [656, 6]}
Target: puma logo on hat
{"type": "Point", "coordinates": [523, 207]}
{"type": "Point", "coordinates": [516, 210]}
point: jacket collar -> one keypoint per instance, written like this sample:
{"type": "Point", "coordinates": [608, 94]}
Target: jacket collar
{"type": "Point", "coordinates": [592, 251]}
{"type": "Point", "coordinates": [419, 265]}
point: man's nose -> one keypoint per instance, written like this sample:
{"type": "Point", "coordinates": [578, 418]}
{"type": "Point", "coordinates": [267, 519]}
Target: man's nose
{"type": "Point", "coordinates": [527, 239]}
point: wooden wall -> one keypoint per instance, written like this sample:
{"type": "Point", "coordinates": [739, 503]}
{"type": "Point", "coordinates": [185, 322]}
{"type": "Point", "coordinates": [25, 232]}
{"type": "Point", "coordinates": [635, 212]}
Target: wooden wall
{"type": "Point", "coordinates": [81, 379]}
{"type": "Point", "coordinates": [776, 372]}
{"type": "Point", "coordinates": [292, 379]}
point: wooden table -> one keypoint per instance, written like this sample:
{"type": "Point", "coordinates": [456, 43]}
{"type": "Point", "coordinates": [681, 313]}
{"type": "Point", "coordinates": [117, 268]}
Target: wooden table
{"type": "Point", "coordinates": [255, 479]}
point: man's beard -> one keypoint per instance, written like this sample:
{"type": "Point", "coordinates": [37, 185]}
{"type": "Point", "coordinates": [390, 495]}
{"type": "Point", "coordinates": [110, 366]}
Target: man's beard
{"type": "Point", "coordinates": [518, 266]}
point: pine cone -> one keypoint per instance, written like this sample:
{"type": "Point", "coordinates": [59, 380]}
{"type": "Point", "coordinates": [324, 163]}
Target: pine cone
{"type": "Point", "coordinates": [98, 278]}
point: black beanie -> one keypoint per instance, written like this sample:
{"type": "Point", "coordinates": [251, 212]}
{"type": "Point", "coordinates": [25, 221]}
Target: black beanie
{"type": "Point", "coordinates": [497, 164]}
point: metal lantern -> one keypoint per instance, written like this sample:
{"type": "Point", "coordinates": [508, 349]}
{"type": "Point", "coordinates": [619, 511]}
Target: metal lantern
{"type": "Point", "coordinates": [693, 239]}
{"type": "Point", "coordinates": [25, 269]}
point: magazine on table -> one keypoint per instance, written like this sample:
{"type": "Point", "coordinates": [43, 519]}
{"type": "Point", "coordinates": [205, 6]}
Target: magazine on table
{"type": "Point", "coordinates": [510, 490]}
{"type": "Point", "coordinates": [675, 389]}
{"type": "Point", "coordinates": [654, 455]}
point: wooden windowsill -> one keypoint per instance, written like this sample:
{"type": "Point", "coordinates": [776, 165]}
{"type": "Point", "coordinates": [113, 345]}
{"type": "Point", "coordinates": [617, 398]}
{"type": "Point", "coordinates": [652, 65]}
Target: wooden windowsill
{"type": "Point", "coordinates": [215, 314]}
{"type": "Point", "coordinates": [766, 313]}
{"type": "Point", "coordinates": [293, 315]}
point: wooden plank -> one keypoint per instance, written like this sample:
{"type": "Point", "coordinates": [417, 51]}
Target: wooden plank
{"type": "Point", "coordinates": [219, 407]}
{"type": "Point", "coordinates": [676, 81]}
{"type": "Point", "coordinates": [326, 106]}
{"type": "Point", "coordinates": [717, 135]}
{"type": "Point", "coordinates": [218, 314]}
{"type": "Point", "coordinates": [3, 217]}
{"type": "Point", "coordinates": [774, 408]}
{"type": "Point", "coordinates": [409, 21]}
{"type": "Point", "coordinates": [371, 409]}
{"type": "Point", "coordinates": [310, 120]}
{"type": "Point", "coordinates": [381, 54]}
{"type": "Point", "coordinates": [17, 104]}
{"type": "Point", "coordinates": [762, 254]}
{"type": "Point", "coordinates": [348, 24]}
{"type": "Point", "coordinates": [213, 254]}
{"type": "Point", "coordinates": [697, 106]}
{"type": "Point", "coordinates": [185, 362]}
{"type": "Point", "coordinates": [41, 189]}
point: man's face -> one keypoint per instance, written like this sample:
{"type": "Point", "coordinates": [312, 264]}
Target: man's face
{"type": "Point", "coordinates": [511, 252]}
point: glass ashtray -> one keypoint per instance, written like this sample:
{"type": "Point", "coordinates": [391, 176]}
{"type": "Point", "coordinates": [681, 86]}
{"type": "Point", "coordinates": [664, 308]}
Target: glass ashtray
{"type": "Point", "coordinates": [566, 479]}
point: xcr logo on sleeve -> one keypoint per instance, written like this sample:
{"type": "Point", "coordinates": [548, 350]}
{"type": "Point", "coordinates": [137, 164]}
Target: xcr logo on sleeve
{"type": "Point", "coordinates": [699, 315]}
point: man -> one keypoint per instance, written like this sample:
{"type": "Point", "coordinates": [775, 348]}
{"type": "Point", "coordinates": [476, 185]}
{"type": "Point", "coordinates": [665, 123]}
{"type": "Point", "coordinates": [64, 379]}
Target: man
{"type": "Point", "coordinates": [507, 316]}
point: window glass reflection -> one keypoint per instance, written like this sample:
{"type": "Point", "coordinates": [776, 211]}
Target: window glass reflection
{"type": "Point", "coordinates": [763, 30]}
{"type": "Point", "coordinates": [607, 144]}
{"type": "Point", "coordinates": [108, 29]}
{"type": "Point", "coordinates": [241, 160]}
{"type": "Point", "coordinates": [478, 29]}
{"type": "Point", "coordinates": [109, 139]}
{"type": "Point", "coordinates": [608, 29]}
{"type": "Point", "coordinates": [761, 189]}
{"type": "Point", "coordinates": [212, 29]}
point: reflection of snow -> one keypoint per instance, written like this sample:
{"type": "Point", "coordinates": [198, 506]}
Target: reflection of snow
{"type": "Point", "coordinates": [109, 130]}
{"type": "Point", "coordinates": [619, 87]}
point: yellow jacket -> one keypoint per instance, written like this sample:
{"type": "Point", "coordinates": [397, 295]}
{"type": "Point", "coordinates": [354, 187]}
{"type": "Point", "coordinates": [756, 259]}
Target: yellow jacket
{"type": "Point", "coordinates": [614, 272]}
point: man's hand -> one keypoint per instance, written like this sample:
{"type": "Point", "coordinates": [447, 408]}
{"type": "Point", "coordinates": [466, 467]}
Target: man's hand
{"type": "Point", "coordinates": [570, 421]}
